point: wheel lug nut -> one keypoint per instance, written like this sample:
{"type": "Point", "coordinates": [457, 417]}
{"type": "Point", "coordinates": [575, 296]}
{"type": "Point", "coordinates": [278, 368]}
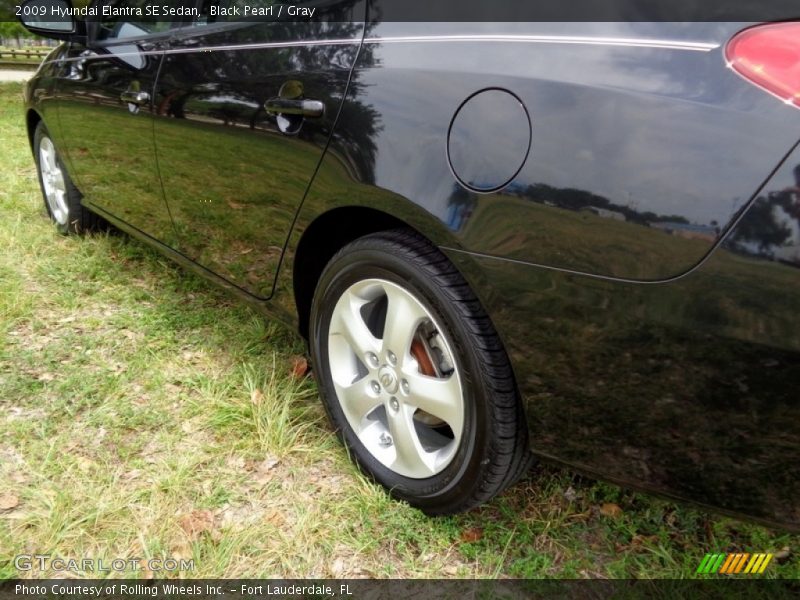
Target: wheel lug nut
{"type": "Point", "coordinates": [405, 387]}
{"type": "Point", "coordinates": [376, 387]}
{"type": "Point", "coordinates": [392, 358]}
{"type": "Point", "coordinates": [372, 359]}
{"type": "Point", "coordinates": [395, 404]}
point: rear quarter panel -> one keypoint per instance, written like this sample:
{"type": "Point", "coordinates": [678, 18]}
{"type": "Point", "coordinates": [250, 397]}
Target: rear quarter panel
{"type": "Point", "coordinates": [638, 132]}
{"type": "Point", "coordinates": [636, 360]}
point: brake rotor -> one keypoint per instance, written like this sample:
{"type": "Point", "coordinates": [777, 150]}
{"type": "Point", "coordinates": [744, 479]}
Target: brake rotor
{"type": "Point", "coordinates": [422, 355]}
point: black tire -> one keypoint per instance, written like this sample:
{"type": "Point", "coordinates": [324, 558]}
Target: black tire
{"type": "Point", "coordinates": [493, 450]}
{"type": "Point", "coordinates": [72, 216]}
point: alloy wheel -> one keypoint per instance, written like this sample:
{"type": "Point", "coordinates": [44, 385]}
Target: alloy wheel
{"type": "Point", "coordinates": [395, 378]}
{"type": "Point", "coordinates": [55, 189]}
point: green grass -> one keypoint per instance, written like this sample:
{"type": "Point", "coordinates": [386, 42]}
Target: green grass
{"type": "Point", "coordinates": [147, 414]}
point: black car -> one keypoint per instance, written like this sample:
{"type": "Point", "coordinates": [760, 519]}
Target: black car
{"type": "Point", "coordinates": [578, 241]}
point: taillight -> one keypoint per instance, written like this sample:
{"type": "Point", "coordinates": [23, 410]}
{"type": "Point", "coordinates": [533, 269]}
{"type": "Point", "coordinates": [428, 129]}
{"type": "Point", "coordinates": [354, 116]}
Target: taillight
{"type": "Point", "coordinates": [769, 56]}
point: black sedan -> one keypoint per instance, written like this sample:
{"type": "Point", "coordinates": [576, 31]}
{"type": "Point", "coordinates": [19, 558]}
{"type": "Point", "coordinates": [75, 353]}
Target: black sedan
{"type": "Point", "coordinates": [576, 241]}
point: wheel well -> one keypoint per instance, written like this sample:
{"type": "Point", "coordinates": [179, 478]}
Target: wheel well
{"type": "Point", "coordinates": [32, 119]}
{"type": "Point", "coordinates": [321, 240]}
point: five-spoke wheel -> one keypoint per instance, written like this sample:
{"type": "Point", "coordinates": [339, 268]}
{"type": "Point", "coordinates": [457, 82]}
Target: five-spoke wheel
{"type": "Point", "coordinates": [396, 378]}
{"type": "Point", "coordinates": [413, 375]}
{"type": "Point", "coordinates": [53, 184]}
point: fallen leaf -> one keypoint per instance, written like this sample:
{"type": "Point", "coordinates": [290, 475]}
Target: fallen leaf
{"type": "Point", "coordinates": [611, 510]}
{"type": "Point", "coordinates": [256, 396]}
{"type": "Point", "coordinates": [299, 366]}
{"type": "Point", "coordinates": [471, 535]}
{"type": "Point", "coordinates": [196, 523]}
{"type": "Point", "coordinates": [8, 501]}
{"type": "Point", "coordinates": [275, 517]}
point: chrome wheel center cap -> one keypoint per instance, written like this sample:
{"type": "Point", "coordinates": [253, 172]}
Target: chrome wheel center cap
{"type": "Point", "coordinates": [388, 379]}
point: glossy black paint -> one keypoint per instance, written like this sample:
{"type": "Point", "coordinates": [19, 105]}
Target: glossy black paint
{"type": "Point", "coordinates": [634, 363]}
{"type": "Point", "coordinates": [622, 143]}
{"type": "Point", "coordinates": [100, 129]}
{"type": "Point", "coordinates": [212, 128]}
{"type": "Point", "coordinates": [688, 387]}
{"type": "Point", "coordinates": [650, 317]}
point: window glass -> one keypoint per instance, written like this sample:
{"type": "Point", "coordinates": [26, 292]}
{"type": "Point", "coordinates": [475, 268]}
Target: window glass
{"type": "Point", "coordinates": [126, 19]}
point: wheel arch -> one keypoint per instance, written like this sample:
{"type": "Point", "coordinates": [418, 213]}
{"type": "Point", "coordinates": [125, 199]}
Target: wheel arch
{"type": "Point", "coordinates": [324, 237]}
{"type": "Point", "coordinates": [333, 229]}
{"type": "Point", "coordinates": [32, 119]}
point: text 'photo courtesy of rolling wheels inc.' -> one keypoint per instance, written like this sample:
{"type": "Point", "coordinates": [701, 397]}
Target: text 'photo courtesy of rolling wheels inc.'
{"type": "Point", "coordinates": [357, 299]}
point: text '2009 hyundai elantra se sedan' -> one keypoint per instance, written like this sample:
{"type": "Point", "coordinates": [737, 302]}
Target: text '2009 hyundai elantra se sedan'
{"type": "Point", "coordinates": [572, 240]}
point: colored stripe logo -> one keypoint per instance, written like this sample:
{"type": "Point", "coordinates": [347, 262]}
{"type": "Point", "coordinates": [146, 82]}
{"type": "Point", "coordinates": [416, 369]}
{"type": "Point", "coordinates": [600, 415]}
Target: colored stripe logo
{"type": "Point", "coordinates": [732, 564]}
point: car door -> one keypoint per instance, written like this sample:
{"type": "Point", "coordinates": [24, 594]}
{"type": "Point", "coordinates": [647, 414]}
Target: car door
{"type": "Point", "coordinates": [105, 114]}
{"type": "Point", "coordinates": [243, 114]}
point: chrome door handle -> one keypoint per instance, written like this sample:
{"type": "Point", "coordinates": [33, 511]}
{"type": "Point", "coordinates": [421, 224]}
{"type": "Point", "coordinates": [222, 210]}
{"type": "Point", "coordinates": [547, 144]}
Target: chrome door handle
{"type": "Point", "coordinates": [137, 98]}
{"type": "Point", "coordinates": [286, 106]}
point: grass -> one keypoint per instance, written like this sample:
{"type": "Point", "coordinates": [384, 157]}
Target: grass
{"type": "Point", "coordinates": [146, 414]}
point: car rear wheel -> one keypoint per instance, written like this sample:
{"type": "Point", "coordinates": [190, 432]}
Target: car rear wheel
{"type": "Point", "coordinates": [61, 198]}
{"type": "Point", "coordinates": [413, 375]}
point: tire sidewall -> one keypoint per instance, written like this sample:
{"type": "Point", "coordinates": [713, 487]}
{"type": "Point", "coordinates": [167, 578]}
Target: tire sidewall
{"type": "Point", "coordinates": [458, 478]}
